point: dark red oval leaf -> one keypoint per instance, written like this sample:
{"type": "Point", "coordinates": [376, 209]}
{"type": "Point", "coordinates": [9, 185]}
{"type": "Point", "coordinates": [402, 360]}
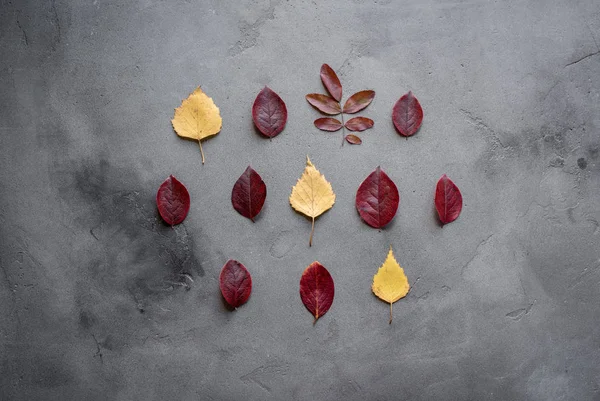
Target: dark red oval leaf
{"type": "Point", "coordinates": [269, 113]}
{"type": "Point", "coordinates": [235, 283]}
{"type": "Point", "coordinates": [359, 124]}
{"type": "Point", "coordinates": [316, 289]}
{"type": "Point", "coordinates": [248, 194]}
{"type": "Point", "coordinates": [328, 124]}
{"type": "Point", "coordinates": [448, 200]}
{"type": "Point", "coordinates": [173, 201]}
{"type": "Point", "coordinates": [377, 199]}
{"type": "Point", "coordinates": [331, 81]}
{"type": "Point", "coordinates": [324, 103]}
{"type": "Point", "coordinates": [358, 101]}
{"type": "Point", "coordinates": [353, 139]}
{"type": "Point", "coordinates": [407, 115]}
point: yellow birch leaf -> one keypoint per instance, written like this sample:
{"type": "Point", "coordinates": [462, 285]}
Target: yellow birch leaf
{"type": "Point", "coordinates": [312, 195]}
{"type": "Point", "coordinates": [390, 283]}
{"type": "Point", "coordinates": [197, 118]}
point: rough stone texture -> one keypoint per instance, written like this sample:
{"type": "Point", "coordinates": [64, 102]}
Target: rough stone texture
{"type": "Point", "coordinates": [101, 301]}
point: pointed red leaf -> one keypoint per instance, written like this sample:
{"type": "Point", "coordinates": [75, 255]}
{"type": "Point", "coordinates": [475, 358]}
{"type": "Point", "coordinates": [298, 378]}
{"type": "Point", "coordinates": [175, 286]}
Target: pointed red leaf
{"type": "Point", "coordinates": [328, 124]}
{"type": "Point", "coordinates": [269, 113]}
{"type": "Point", "coordinates": [407, 115]}
{"type": "Point", "coordinates": [324, 103]}
{"type": "Point", "coordinates": [358, 101]}
{"type": "Point", "coordinates": [353, 139]}
{"type": "Point", "coordinates": [316, 289]}
{"type": "Point", "coordinates": [331, 82]}
{"type": "Point", "coordinates": [448, 200]}
{"type": "Point", "coordinates": [249, 193]}
{"type": "Point", "coordinates": [235, 283]}
{"type": "Point", "coordinates": [173, 201]}
{"type": "Point", "coordinates": [359, 124]}
{"type": "Point", "coordinates": [377, 199]}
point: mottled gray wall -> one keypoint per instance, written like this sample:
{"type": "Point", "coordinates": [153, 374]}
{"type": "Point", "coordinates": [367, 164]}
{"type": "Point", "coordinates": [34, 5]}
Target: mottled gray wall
{"type": "Point", "coordinates": [96, 303]}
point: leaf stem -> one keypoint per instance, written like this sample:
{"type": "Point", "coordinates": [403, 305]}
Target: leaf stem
{"type": "Point", "coordinates": [391, 312]}
{"type": "Point", "coordinates": [343, 129]}
{"type": "Point", "coordinates": [201, 150]}
{"type": "Point", "coordinates": [312, 231]}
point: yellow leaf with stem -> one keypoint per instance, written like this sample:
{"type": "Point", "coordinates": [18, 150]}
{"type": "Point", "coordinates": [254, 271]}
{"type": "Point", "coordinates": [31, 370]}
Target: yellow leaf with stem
{"type": "Point", "coordinates": [312, 195]}
{"type": "Point", "coordinates": [197, 118]}
{"type": "Point", "coordinates": [390, 283]}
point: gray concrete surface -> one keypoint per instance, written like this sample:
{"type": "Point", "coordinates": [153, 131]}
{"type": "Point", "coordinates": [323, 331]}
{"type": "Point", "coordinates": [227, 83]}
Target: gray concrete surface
{"type": "Point", "coordinates": [505, 302]}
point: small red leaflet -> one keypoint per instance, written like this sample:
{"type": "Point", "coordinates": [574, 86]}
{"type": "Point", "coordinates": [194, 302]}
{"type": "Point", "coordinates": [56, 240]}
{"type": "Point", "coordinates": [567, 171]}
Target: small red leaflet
{"type": "Point", "coordinates": [173, 201]}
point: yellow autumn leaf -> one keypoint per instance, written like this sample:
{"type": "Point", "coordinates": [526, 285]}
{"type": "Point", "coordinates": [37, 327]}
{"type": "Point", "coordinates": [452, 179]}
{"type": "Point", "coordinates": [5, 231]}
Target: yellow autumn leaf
{"type": "Point", "coordinates": [390, 283]}
{"type": "Point", "coordinates": [312, 195]}
{"type": "Point", "coordinates": [197, 118]}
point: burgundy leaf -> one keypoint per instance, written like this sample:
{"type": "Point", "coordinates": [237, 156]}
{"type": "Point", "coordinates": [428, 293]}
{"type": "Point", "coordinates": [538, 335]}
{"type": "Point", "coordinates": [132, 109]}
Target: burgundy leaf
{"type": "Point", "coordinates": [358, 101]}
{"type": "Point", "coordinates": [377, 199]}
{"type": "Point", "coordinates": [173, 201]}
{"type": "Point", "coordinates": [249, 193]}
{"type": "Point", "coordinates": [269, 113]}
{"type": "Point", "coordinates": [331, 82]}
{"type": "Point", "coordinates": [448, 200]}
{"type": "Point", "coordinates": [407, 115]}
{"type": "Point", "coordinates": [359, 124]}
{"type": "Point", "coordinates": [324, 103]}
{"type": "Point", "coordinates": [353, 139]}
{"type": "Point", "coordinates": [328, 124]}
{"type": "Point", "coordinates": [316, 289]}
{"type": "Point", "coordinates": [235, 283]}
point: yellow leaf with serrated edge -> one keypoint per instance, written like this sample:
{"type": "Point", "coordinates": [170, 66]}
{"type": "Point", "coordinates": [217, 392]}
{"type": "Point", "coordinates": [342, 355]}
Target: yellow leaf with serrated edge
{"type": "Point", "coordinates": [390, 283]}
{"type": "Point", "coordinates": [312, 195]}
{"type": "Point", "coordinates": [197, 118]}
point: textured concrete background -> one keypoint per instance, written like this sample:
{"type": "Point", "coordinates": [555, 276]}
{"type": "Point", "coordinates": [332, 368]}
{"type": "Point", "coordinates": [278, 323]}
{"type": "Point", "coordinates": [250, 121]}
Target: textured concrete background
{"type": "Point", "coordinates": [94, 300]}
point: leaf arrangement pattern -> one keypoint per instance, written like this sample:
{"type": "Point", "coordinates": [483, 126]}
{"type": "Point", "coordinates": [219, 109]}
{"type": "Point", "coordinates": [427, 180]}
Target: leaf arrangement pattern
{"type": "Point", "coordinates": [173, 201]}
{"type": "Point", "coordinates": [448, 200]}
{"type": "Point", "coordinates": [390, 283]}
{"type": "Point", "coordinates": [331, 105]}
{"type": "Point", "coordinates": [312, 195]}
{"type": "Point", "coordinates": [316, 289]}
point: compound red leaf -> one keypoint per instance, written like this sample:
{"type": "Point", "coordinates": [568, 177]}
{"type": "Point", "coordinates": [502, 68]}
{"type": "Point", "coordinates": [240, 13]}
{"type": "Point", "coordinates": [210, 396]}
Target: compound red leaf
{"type": "Point", "coordinates": [353, 139]}
{"type": "Point", "coordinates": [359, 124]}
{"type": "Point", "coordinates": [173, 201]}
{"type": "Point", "coordinates": [235, 283]}
{"type": "Point", "coordinates": [377, 199]}
{"type": "Point", "coordinates": [448, 200]}
{"type": "Point", "coordinates": [328, 124]}
{"type": "Point", "coordinates": [324, 103]}
{"type": "Point", "coordinates": [331, 81]}
{"type": "Point", "coordinates": [316, 289]}
{"type": "Point", "coordinates": [359, 101]}
{"type": "Point", "coordinates": [269, 113]}
{"type": "Point", "coordinates": [407, 115]}
{"type": "Point", "coordinates": [249, 193]}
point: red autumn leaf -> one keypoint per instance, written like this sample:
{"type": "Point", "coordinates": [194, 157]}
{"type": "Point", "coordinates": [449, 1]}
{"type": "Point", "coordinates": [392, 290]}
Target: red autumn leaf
{"type": "Point", "coordinates": [269, 113]}
{"type": "Point", "coordinates": [407, 115]}
{"type": "Point", "coordinates": [316, 289]}
{"type": "Point", "coordinates": [324, 103]}
{"type": "Point", "coordinates": [173, 201]}
{"type": "Point", "coordinates": [448, 200]}
{"type": "Point", "coordinates": [377, 199]}
{"type": "Point", "coordinates": [249, 193]}
{"type": "Point", "coordinates": [331, 81]}
{"type": "Point", "coordinates": [358, 101]}
{"type": "Point", "coordinates": [353, 139]}
{"type": "Point", "coordinates": [235, 283]}
{"type": "Point", "coordinates": [328, 124]}
{"type": "Point", "coordinates": [359, 124]}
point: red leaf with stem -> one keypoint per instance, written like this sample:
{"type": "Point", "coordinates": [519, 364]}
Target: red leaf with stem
{"type": "Point", "coordinates": [353, 139]}
{"type": "Point", "coordinates": [316, 289]}
{"type": "Point", "coordinates": [173, 201]}
{"type": "Point", "coordinates": [328, 124]}
{"type": "Point", "coordinates": [358, 101]}
{"type": "Point", "coordinates": [407, 115]}
{"type": "Point", "coordinates": [377, 199]}
{"type": "Point", "coordinates": [249, 194]}
{"type": "Point", "coordinates": [448, 200]}
{"type": "Point", "coordinates": [324, 103]}
{"type": "Point", "coordinates": [269, 113]}
{"type": "Point", "coordinates": [235, 283]}
{"type": "Point", "coordinates": [359, 124]}
{"type": "Point", "coordinates": [331, 81]}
